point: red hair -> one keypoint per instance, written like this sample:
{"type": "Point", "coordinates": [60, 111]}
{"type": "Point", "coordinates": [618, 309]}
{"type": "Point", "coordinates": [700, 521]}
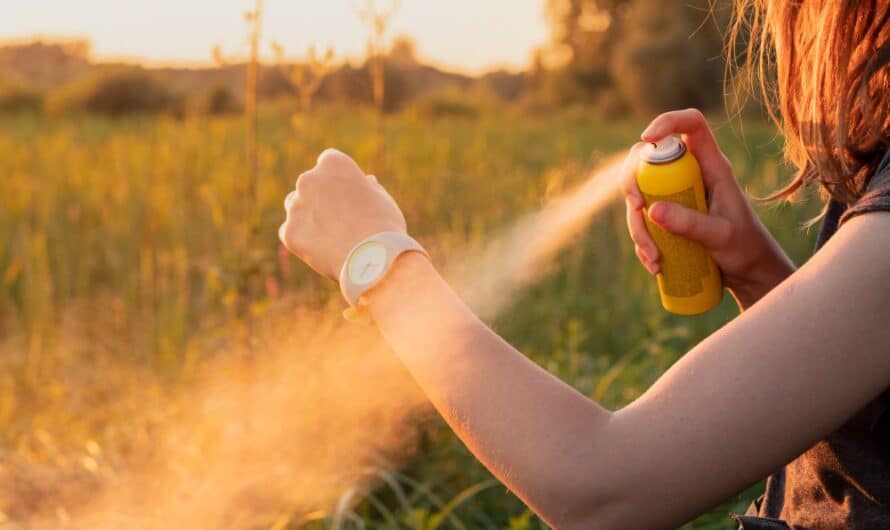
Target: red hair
{"type": "Point", "coordinates": [823, 72]}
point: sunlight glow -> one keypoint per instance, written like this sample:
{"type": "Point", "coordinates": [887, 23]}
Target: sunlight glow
{"type": "Point", "coordinates": [463, 34]}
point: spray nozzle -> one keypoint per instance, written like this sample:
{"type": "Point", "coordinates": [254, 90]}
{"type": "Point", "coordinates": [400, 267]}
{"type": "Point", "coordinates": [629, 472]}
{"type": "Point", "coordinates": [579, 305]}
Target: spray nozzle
{"type": "Point", "coordinates": [665, 150]}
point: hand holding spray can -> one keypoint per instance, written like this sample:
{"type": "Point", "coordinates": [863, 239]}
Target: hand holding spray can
{"type": "Point", "coordinates": [689, 281]}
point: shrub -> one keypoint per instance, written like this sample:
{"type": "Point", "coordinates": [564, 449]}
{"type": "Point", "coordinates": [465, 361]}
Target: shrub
{"type": "Point", "coordinates": [219, 101]}
{"type": "Point", "coordinates": [667, 59]}
{"type": "Point", "coordinates": [17, 98]}
{"type": "Point", "coordinates": [116, 92]}
{"type": "Point", "coordinates": [448, 102]}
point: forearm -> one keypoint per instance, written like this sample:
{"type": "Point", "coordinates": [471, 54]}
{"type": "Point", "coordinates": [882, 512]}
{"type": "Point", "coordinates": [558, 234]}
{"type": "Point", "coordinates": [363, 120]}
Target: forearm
{"type": "Point", "coordinates": [528, 427]}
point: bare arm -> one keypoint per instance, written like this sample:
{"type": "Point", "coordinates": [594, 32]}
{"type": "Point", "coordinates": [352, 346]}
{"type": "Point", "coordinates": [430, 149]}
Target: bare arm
{"type": "Point", "coordinates": [797, 365]}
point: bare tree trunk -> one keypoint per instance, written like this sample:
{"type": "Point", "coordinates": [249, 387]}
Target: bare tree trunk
{"type": "Point", "coordinates": [250, 111]}
{"type": "Point", "coordinates": [378, 21]}
{"type": "Point", "coordinates": [250, 269]}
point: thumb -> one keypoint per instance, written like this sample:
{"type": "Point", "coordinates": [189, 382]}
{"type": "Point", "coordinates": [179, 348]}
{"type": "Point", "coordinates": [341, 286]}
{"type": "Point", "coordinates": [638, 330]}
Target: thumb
{"type": "Point", "coordinates": [710, 230]}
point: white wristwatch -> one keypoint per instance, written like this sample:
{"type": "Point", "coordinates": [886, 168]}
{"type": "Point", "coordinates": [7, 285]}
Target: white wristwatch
{"type": "Point", "coordinates": [369, 262]}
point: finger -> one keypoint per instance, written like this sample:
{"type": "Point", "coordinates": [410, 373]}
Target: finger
{"type": "Point", "coordinates": [336, 160]}
{"type": "Point", "coordinates": [651, 267]}
{"type": "Point", "coordinates": [699, 138]}
{"type": "Point", "coordinates": [629, 177]}
{"type": "Point", "coordinates": [290, 199]}
{"type": "Point", "coordinates": [690, 122]}
{"type": "Point", "coordinates": [282, 234]}
{"type": "Point", "coordinates": [712, 231]}
{"type": "Point", "coordinates": [303, 178]}
{"type": "Point", "coordinates": [374, 179]}
{"type": "Point", "coordinates": [640, 235]}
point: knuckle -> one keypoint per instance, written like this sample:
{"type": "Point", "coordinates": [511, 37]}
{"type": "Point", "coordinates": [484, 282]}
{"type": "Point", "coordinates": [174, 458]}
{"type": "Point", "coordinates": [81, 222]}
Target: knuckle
{"type": "Point", "coordinates": [330, 157]}
{"type": "Point", "coordinates": [696, 114]}
{"type": "Point", "coordinates": [291, 199]}
{"type": "Point", "coordinates": [306, 182]}
{"type": "Point", "coordinates": [679, 220]}
{"type": "Point", "coordinates": [628, 182]}
{"type": "Point", "coordinates": [629, 207]}
{"type": "Point", "coordinates": [289, 235]}
{"type": "Point", "coordinates": [650, 247]}
{"type": "Point", "coordinates": [627, 185]}
{"type": "Point", "coordinates": [635, 222]}
{"type": "Point", "coordinates": [295, 209]}
{"type": "Point", "coordinates": [286, 235]}
{"type": "Point", "coordinates": [640, 235]}
{"type": "Point", "coordinates": [726, 235]}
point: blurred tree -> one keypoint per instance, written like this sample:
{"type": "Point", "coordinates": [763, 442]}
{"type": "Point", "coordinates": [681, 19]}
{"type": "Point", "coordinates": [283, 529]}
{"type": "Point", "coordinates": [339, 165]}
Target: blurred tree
{"type": "Point", "coordinates": [18, 98]}
{"type": "Point", "coordinates": [220, 101]}
{"type": "Point", "coordinates": [648, 55]}
{"type": "Point", "coordinates": [254, 19]}
{"type": "Point", "coordinates": [403, 51]}
{"type": "Point", "coordinates": [348, 84]}
{"type": "Point", "coordinates": [507, 86]}
{"type": "Point", "coordinates": [44, 64]}
{"type": "Point", "coordinates": [116, 91]}
{"type": "Point", "coordinates": [377, 20]}
{"type": "Point", "coordinates": [307, 76]}
{"type": "Point", "coordinates": [584, 34]}
{"type": "Point", "coordinates": [669, 56]}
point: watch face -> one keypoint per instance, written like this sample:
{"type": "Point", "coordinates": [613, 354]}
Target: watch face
{"type": "Point", "coordinates": [366, 263]}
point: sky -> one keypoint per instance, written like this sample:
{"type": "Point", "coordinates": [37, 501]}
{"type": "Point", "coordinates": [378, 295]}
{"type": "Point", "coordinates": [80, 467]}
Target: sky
{"type": "Point", "coordinates": [466, 35]}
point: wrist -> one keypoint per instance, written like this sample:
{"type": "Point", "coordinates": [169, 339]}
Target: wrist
{"type": "Point", "coordinates": [763, 279]}
{"type": "Point", "coordinates": [369, 262]}
{"type": "Point", "coordinates": [406, 277]}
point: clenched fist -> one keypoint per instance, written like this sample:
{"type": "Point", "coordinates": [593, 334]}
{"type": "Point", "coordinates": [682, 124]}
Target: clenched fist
{"type": "Point", "coordinates": [334, 206]}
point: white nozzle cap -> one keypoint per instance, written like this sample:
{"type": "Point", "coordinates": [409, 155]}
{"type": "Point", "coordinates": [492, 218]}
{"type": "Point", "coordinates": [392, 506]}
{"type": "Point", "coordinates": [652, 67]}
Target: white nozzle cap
{"type": "Point", "coordinates": [665, 150]}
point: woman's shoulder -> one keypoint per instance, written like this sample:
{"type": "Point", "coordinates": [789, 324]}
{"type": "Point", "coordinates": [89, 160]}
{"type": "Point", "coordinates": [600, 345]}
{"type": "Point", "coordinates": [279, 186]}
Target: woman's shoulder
{"type": "Point", "coordinates": [876, 197]}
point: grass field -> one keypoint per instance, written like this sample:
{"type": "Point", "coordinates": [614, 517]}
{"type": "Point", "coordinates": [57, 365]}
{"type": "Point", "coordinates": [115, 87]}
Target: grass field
{"type": "Point", "coordinates": [130, 256]}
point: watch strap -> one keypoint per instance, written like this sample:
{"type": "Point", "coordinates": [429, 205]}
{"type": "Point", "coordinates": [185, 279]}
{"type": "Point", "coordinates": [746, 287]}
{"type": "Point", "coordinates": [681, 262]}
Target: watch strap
{"type": "Point", "coordinates": [395, 244]}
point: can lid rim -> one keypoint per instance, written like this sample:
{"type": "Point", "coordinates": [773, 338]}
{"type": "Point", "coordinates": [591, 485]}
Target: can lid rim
{"type": "Point", "coordinates": [666, 150]}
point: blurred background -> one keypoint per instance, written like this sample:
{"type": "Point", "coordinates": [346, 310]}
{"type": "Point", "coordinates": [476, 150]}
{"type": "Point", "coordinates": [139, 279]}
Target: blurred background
{"type": "Point", "coordinates": [145, 149]}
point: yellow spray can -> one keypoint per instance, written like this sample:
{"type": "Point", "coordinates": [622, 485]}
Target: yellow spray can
{"type": "Point", "coordinates": [689, 281]}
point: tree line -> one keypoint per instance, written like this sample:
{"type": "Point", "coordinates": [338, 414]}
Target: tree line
{"type": "Point", "coordinates": [618, 56]}
{"type": "Point", "coordinates": [641, 55]}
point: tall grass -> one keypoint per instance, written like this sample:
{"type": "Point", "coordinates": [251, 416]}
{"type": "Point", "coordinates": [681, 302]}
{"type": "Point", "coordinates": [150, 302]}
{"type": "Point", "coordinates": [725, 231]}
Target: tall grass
{"type": "Point", "coordinates": [307, 75]}
{"type": "Point", "coordinates": [122, 268]}
{"type": "Point", "coordinates": [377, 20]}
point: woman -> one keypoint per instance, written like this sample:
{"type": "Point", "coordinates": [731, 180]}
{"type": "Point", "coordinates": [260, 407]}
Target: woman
{"type": "Point", "coordinates": [793, 384]}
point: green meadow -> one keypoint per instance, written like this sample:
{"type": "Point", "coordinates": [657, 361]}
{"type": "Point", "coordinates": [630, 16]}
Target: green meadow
{"type": "Point", "coordinates": [130, 249]}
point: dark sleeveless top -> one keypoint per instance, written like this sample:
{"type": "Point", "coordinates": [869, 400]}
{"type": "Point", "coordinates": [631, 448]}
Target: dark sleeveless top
{"type": "Point", "coordinates": [842, 481]}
